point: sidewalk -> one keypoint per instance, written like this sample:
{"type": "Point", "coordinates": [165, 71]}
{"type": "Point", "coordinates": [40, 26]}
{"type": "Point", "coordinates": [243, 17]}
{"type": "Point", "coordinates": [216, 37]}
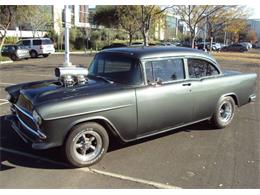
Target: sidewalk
{"type": "Point", "coordinates": [76, 52]}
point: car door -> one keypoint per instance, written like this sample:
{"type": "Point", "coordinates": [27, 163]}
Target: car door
{"type": "Point", "coordinates": [25, 44]}
{"type": "Point", "coordinates": [165, 101]}
{"type": "Point", "coordinates": [205, 87]}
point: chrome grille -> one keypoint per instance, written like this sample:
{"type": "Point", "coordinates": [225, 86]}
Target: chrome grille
{"type": "Point", "coordinates": [24, 103]}
{"type": "Point", "coordinates": [26, 118]}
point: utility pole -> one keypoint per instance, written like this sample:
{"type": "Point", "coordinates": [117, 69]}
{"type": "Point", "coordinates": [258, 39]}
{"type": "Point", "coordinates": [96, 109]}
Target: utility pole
{"type": "Point", "coordinates": [66, 34]}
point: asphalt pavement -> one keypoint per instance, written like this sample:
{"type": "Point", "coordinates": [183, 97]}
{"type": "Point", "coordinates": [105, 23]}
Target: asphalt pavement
{"type": "Point", "coordinates": [197, 156]}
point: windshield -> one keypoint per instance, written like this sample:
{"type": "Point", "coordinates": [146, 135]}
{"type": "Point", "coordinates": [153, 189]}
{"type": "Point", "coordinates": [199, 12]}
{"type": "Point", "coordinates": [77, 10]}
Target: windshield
{"type": "Point", "coordinates": [117, 68]}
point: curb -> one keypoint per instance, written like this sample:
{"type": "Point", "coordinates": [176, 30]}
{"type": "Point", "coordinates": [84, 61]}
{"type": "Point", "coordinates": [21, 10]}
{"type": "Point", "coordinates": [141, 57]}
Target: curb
{"type": "Point", "coordinates": [77, 52]}
{"type": "Point", "coordinates": [6, 62]}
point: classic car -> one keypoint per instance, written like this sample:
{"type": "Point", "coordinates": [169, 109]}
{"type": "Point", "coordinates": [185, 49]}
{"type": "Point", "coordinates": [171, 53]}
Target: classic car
{"type": "Point", "coordinates": [127, 93]}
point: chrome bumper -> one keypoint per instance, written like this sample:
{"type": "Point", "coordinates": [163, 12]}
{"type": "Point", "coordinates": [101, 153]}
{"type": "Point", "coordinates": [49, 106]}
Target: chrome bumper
{"type": "Point", "coordinates": [252, 98]}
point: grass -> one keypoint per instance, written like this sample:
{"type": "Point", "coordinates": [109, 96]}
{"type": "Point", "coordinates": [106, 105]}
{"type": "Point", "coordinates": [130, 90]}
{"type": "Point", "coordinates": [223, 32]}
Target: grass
{"type": "Point", "coordinates": [248, 57]}
{"type": "Point", "coordinates": [2, 59]}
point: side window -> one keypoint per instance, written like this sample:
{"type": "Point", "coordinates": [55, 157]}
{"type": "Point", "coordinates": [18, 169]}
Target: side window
{"type": "Point", "coordinates": [165, 70]}
{"type": "Point", "coordinates": [37, 42]}
{"type": "Point", "coordinates": [200, 68]}
{"type": "Point", "coordinates": [26, 42]}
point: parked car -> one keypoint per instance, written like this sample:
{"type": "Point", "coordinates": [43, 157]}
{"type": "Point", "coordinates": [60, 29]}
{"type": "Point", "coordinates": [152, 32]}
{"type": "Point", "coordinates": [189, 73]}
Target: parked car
{"type": "Point", "coordinates": [256, 45]}
{"type": "Point", "coordinates": [15, 52]}
{"type": "Point", "coordinates": [129, 94]}
{"type": "Point", "coordinates": [137, 44]}
{"type": "Point", "coordinates": [247, 45]}
{"type": "Point", "coordinates": [214, 47]}
{"type": "Point", "coordinates": [234, 47]}
{"type": "Point", "coordinates": [37, 46]}
{"type": "Point", "coordinates": [114, 45]}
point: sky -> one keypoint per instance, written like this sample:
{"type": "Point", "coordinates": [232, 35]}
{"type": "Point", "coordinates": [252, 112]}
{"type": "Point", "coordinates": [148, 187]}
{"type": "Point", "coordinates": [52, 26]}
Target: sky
{"type": "Point", "coordinates": [256, 11]}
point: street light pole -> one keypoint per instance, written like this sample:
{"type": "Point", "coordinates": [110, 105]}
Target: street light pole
{"type": "Point", "coordinates": [205, 34]}
{"type": "Point", "coordinates": [66, 34]}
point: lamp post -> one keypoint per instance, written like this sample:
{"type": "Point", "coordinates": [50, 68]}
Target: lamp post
{"type": "Point", "coordinates": [66, 34]}
{"type": "Point", "coordinates": [205, 32]}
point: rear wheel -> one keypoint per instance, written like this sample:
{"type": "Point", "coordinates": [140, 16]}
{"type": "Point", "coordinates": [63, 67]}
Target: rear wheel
{"type": "Point", "coordinates": [45, 55]}
{"type": "Point", "coordinates": [14, 57]}
{"type": "Point", "coordinates": [224, 112]}
{"type": "Point", "coordinates": [33, 54]}
{"type": "Point", "coordinates": [86, 144]}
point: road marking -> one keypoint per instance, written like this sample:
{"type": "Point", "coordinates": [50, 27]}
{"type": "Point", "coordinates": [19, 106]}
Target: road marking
{"type": "Point", "coordinates": [4, 103]}
{"type": "Point", "coordinates": [7, 84]}
{"type": "Point", "coordinates": [128, 178]}
{"type": "Point", "coordinates": [95, 171]}
{"type": "Point", "coordinates": [5, 100]}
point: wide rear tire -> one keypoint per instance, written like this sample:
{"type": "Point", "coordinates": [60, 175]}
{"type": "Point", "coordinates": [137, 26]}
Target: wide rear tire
{"type": "Point", "coordinates": [86, 144]}
{"type": "Point", "coordinates": [224, 112]}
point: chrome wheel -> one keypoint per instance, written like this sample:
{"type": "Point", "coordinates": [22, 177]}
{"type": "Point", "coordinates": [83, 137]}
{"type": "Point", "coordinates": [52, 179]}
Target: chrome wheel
{"type": "Point", "coordinates": [87, 145]}
{"type": "Point", "coordinates": [226, 111]}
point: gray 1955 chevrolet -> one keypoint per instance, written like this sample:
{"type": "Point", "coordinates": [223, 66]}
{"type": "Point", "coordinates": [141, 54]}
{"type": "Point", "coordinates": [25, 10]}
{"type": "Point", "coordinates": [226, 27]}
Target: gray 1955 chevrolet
{"type": "Point", "coordinates": [129, 93]}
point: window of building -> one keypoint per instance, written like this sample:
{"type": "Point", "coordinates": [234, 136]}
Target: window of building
{"type": "Point", "coordinates": [83, 13]}
{"type": "Point", "coordinates": [200, 68]}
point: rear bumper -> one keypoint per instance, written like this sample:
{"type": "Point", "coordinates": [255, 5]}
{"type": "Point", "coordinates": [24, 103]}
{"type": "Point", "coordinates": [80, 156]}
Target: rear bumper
{"type": "Point", "coordinates": [252, 98]}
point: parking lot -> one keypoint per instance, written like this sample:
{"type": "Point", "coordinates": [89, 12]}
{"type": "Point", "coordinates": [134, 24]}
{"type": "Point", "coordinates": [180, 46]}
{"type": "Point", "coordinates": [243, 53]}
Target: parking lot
{"type": "Point", "coordinates": [196, 156]}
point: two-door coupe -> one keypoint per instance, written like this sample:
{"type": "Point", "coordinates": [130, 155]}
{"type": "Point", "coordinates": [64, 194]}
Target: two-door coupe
{"type": "Point", "coordinates": [129, 93]}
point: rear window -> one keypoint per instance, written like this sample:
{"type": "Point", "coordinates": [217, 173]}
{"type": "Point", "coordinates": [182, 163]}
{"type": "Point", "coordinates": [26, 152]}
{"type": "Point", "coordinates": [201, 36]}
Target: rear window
{"type": "Point", "coordinates": [46, 42]}
{"type": "Point", "coordinates": [37, 42]}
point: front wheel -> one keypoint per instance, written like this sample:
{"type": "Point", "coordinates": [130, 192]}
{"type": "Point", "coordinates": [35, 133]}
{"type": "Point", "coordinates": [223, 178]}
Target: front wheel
{"type": "Point", "coordinates": [224, 112]}
{"type": "Point", "coordinates": [45, 55]}
{"type": "Point", "coordinates": [86, 144]}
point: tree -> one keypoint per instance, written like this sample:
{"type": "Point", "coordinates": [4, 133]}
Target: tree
{"type": "Point", "coordinates": [149, 14]}
{"type": "Point", "coordinates": [225, 17]}
{"type": "Point", "coordinates": [43, 19]}
{"type": "Point", "coordinates": [106, 16]}
{"type": "Point", "coordinates": [251, 36]}
{"type": "Point", "coordinates": [9, 14]}
{"type": "Point", "coordinates": [129, 24]}
{"type": "Point", "coordinates": [193, 15]}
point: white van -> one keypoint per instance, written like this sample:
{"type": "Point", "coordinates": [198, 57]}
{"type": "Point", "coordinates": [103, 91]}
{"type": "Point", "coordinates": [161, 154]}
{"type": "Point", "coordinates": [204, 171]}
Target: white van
{"type": "Point", "coordinates": [37, 46]}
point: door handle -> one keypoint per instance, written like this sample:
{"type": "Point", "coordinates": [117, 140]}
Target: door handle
{"type": "Point", "coordinates": [186, 84]}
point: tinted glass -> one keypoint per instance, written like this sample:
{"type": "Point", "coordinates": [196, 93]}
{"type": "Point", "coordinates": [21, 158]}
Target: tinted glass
{"type": "Point", "coordinates": [46, 42]}
{"type": "Point", "coordinates": [165, 70]}
{"type": "Point", "coordinates": [116, 67]}
{"type": "Point", "coordinates": [26, 42]}
{"type": "Point", "coordinates": [201, 68]}
{"type": "Point", "coordinates": [37, 42]}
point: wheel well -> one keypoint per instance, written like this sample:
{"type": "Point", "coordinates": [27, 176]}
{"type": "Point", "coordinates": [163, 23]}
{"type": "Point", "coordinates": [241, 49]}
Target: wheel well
{"type": "Point", "coordinates": [113, 135]}
{"type": "Point", "coordinates": [234, 98]}
{"type": "Point", "coordinates": [34, 51]}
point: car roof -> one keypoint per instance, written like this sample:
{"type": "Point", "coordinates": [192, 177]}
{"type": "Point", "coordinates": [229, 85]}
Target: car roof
{"type": "Point", "coordinates": [153, 52]}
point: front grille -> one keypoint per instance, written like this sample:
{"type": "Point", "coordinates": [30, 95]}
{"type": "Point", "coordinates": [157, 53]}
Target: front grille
{"type": "Point", "coordinates": [26, 119]}
{"type": "Point", "coordinates": [24, 103]}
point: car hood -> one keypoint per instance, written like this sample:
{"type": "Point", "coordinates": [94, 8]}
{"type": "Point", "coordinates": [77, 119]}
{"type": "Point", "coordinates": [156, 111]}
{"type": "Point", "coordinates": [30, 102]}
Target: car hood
{"type": "Point", "coordinates": [53, 92]}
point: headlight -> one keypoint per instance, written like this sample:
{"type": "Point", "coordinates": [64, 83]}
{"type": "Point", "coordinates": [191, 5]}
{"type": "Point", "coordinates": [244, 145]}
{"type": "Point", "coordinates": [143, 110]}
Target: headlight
{"type": "Point", "coordinates": [37, 118]}
{"type": "Point", "coordinates": [8, 97]}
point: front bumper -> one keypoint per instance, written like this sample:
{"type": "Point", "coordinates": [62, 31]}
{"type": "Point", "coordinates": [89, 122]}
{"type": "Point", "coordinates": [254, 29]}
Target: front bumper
{"type": "Point", "coordinates": [38, 140]}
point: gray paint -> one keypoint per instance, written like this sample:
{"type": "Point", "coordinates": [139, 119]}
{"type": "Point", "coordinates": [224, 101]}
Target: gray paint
{"type": "Point", "coordinates": [134, 112]}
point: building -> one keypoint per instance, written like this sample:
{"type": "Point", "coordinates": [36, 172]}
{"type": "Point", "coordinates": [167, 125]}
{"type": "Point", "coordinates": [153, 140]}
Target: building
{"type": "Point", "coordinates": [79, 18]}
{"type": "Point", "coordinates": [255, 25]}
{"type": "Point", "coordinates": [170, 28]}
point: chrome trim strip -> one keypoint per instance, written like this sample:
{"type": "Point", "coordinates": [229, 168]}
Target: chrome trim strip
{"type": "Point", "coordinates": [35, 132]}
{"type": "Point", "coordinates": [90, 112]}
{"type": "Point", "coordinates": [30, 116]}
